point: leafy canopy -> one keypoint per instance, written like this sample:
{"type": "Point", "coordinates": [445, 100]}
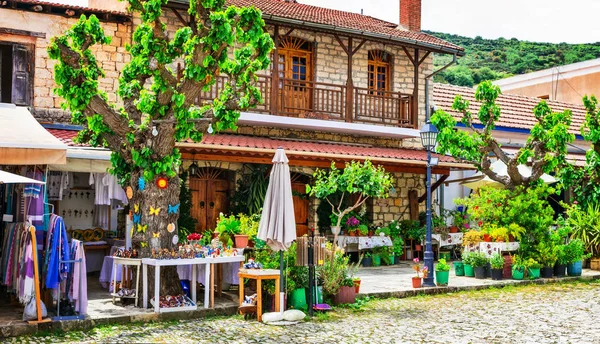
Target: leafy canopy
{"type": "Point", "coordinates": [545, 149]}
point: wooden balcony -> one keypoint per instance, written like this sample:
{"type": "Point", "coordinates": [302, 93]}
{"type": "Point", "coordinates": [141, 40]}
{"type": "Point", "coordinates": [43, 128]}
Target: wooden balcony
{"type": "Point", "coordinates": [317, 100]}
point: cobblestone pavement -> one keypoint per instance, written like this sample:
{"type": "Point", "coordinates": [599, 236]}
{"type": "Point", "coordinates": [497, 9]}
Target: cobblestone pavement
{"type": "Point", "coordinates": [552, 313]}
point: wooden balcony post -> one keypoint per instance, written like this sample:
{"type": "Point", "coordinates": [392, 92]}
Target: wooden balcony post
{"type": "Point", "coordinates": [415, 101]}
{"type": "Point", "coordinates": [275, 74]}
{"type": "Point", "coordinates": [349, 84]}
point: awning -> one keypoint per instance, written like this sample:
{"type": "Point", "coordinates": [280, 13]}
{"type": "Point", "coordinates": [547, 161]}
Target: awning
{"type": "Point", "coordinates": [254, 149]}
{"type": "Point", "coordinates": [23, 141]}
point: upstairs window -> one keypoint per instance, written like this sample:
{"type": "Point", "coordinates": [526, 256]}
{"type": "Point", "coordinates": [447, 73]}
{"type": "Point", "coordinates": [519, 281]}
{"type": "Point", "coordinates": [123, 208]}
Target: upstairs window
{"type": "Point", "coordinates": [16, 73]}
{"type": "Point", "coordinates": [379, 70]}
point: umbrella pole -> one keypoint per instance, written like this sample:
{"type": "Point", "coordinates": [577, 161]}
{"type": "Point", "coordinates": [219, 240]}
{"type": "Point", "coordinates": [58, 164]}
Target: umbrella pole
{"type": "Point", "coordinates": [281, 284]}
{"type": "Point", "coordinates": [311, 271]}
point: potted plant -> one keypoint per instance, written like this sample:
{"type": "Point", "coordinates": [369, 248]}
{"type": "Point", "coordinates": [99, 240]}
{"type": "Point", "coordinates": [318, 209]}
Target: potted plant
{"type": "Point", "coordinates": [459, 268]}
{"type": "Point", "coordinates": [533, 268]}
{"type": "Point", "coordinates": [479, 261]}
{"type": "Point", "coordinates": [467, 258]}
{"type": "Point", "coordinates": [442, 273]}
{"type": "Point", "coordinates": [416, 280]}
{"type": "Point", "coordinates": [248, 227]}
{"type": "Point", "coordinates": [472, 238]}
{"type": "Point", "coordinates": [398, 248]}
{"type": "Point", "coordinates": [228, 228]}
{"type": "Point", "coordinates": [547, 256]}
{"type": "Point", "coordinates": [377, 256]}
{"type": "Point", "coordinates": [363, 230]}
{"type": "Point", "coordinates": [574, 255]}
{"type": "Point", "coordinates": [560, 267]}
{"type": "Point", "coordinates": [518, 267]}
{"type": "Point", "coordinates": [497, 264]}
{"type": "Point", "coordinates": [352, 225]}
{"type": "Point", "coordinates": [515, 232]}
{"type": "Point", "coordinates": [387, 255]}
{"type": "Point", "coordinates": [459, 220]}
{"type": "Point", "coordinates": [367, 260]}
{"type": "Point", "coordinates": [335, 276]}
{"type": "Point", "coordinates": [499, 234]}
{"type": "Point", "coordinates": [417, 233]}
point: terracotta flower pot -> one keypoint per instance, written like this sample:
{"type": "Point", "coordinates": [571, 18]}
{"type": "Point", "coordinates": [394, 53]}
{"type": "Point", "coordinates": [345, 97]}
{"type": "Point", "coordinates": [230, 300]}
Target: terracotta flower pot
{"type": "Point", "coordinates": [241, 241]}
{"type": "Point", "coordinates": [356, 286]}
{"type": "Point", "coordinates": [499, 239]}
{"type": "Point", "coordinates": [487, 238]}
{"type": "Point", "coordinates": [345, 295]}
{"type": "Point", "coordinates": [453, 229]}
{"type": "Point", "coordinates": [418, 247]}
{"type": "Point", "coordinates": [416, 281]}
{"type": "Point", "coordinates": [352, 234]}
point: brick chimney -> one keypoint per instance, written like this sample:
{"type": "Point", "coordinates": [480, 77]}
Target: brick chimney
{"type": "Point", "coordinates": [410, 14]}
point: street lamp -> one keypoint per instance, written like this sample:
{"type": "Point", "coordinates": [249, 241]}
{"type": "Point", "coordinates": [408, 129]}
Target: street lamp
{"type": "Point", "coordinates": [193, 169]}
{"type": "Point", "coordinates": [428, 139]}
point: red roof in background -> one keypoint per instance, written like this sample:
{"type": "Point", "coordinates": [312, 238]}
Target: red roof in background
{"type": "Point", "coordinates": [66, 6]}
{"type": "Point", "coordinates": [66, 137]}
{"type": "Point", "coordinates": [341, 19]}
{"type": "Point", "coordinates": [517, 111]}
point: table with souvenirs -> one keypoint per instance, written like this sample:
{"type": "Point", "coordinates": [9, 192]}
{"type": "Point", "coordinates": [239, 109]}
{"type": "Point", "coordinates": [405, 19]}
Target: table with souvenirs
{"type": "Point", "coordinates": [188, 255]}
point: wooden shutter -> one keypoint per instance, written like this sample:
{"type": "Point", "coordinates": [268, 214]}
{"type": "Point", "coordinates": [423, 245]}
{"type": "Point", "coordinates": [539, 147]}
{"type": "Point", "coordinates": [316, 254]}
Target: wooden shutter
{"type": "Point", "coordinates": [21, 80]}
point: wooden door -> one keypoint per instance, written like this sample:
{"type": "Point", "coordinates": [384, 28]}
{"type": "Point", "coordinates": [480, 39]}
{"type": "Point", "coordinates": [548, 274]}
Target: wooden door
{"type": "Point", "coordinates": [21, 78]}
{"type": "Point", "coordinates": [295, 73]}
{"type": "Point", "coordinates": [209, 198]}
{"type": "Point", "coordinates": [301, 204]}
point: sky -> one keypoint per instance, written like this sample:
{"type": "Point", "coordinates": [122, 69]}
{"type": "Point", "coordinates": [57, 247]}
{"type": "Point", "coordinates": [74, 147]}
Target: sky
{"type": "Point", "coordinates": [555, 21]}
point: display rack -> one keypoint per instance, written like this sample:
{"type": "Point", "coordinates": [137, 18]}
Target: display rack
{"type": "Point", "coordinates": [126, 262]}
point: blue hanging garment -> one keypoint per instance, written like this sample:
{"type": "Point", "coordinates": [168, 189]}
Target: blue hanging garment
{"type": "Point", "coordinates": [59, 251]}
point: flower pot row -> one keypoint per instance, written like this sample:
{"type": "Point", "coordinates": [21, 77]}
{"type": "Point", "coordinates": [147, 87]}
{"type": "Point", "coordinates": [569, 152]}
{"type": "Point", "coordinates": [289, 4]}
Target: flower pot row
{"type": "Point", "coordinates": [481, 272]}
{"type": "Point", "coordinates": [375, 260]}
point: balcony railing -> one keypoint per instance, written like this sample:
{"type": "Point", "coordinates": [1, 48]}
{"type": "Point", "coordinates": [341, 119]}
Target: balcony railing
{"type": "Point", "coordinates": [327, 101]}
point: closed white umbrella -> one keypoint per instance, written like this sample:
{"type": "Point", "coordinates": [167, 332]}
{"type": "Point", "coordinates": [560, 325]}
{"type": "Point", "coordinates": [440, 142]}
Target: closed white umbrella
{"type": "Point", "coordinates": [277, 224]}
{"type": "Point", "coordinates": [501, 169]}
{"type": "Point", "coordinates": [11, 178]}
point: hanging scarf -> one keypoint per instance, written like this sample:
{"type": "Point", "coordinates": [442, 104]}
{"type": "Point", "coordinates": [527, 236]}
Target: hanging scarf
{"type": "Point", "coordinates": [59, 251]}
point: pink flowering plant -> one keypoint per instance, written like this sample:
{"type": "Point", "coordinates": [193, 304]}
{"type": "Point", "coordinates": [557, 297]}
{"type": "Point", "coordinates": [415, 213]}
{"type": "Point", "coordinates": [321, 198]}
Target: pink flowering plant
{"type": "Point", "coordinates": [418, 268]}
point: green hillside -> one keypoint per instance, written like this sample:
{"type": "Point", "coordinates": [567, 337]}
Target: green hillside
{"type": "Point", "coordinates": [491, 59]}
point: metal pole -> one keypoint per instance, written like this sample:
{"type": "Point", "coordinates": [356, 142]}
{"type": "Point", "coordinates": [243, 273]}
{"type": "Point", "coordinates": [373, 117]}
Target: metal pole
{"type": "Point", "coordinates": [281, 284]}
{"type": "Point", "coordinates": [311, 270]}
{"type": "Point", "coordinates": [428, 256]}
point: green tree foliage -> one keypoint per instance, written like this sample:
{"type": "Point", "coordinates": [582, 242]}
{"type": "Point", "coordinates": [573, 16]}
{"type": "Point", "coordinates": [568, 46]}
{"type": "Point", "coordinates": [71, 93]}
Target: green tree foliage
{"type": "Point", "coordinates": [544, 151]}
{"type": "Point", "coordinates": [506, 57]}
{"type": "Point", "coordinates": [585, 180]}
{"type": "Point", "coordinates": [158, 105]}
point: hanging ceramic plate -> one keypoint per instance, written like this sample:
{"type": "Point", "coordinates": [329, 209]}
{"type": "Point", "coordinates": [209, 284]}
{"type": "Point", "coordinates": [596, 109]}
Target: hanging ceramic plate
{"type": "Point", "coordinates": [175, 239]}
{"type": "Point", "coordinates": [171, 227]}
{"type": "Point", "coordinates": [129, 192]}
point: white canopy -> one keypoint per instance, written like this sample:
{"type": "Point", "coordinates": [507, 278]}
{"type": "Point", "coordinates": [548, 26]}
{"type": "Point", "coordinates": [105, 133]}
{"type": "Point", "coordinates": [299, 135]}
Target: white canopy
{"type": "Point", "coordinates": [11, 178]}
{"type": "Point", "coordinates": [501, 169]}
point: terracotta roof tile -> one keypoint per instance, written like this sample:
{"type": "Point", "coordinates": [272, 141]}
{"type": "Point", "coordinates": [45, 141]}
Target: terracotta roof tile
{"type": "Point", "coordinates": [517, 111]}
{"type": "Point", "coordinates": [347, 20]}
{"type": "Point", "coordinates": [66, 137]}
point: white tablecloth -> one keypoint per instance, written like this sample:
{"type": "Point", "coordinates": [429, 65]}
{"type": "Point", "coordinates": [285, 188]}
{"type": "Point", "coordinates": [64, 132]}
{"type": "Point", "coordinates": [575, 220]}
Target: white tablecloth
{"type": "Point", "coordinates": [489, 248]}
{"type": "Point", "coordinates": [230, 272]}
{"type": "Point", "coordinates": [451, 240]}
{"type": "Point", "coordinates": [364, 242]}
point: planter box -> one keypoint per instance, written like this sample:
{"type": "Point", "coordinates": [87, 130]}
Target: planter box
{"type": "Point", "coordinates": [345, 295]}
{"type": "Point", "coordinates": [595, 264]}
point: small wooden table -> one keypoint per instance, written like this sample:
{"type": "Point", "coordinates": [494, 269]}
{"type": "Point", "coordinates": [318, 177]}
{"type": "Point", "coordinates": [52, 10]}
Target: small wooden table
{"type": "Point", "coordinates": [125, 262]}
{"type": "Point", "coordinates": [259, 275]}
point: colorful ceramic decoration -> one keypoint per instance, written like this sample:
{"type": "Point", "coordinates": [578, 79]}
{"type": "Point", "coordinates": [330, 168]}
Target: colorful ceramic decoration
{"type": "Point", "coordinates": [144, 244]}
{"type": "Point", "coordinates": [141, 184]}
{"type": "Point", "coordinates": [173, 209]}
{"type": "Point", "coordinates": [137, 218]}
{"type": "Point", "coordinates": [162, 183]}
{"type": "Point", "coordinates": [129, 192]}
{"type": "Point", "coordinates": [175, 239]}
{"type": "Point", "coordinates": [142, 229]}
{"type": "Point", "coordinates": [156, 234]}
{"type": "Point", "coordinates": [136, 208]}
{"type": "Point", "coordinates": [171, 227]}
{"type": "Point", "coordinates": [154, 211]}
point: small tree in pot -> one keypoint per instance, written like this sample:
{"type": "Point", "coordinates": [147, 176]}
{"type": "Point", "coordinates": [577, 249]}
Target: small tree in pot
{"type": "Point", "coordinates": [363, 179]}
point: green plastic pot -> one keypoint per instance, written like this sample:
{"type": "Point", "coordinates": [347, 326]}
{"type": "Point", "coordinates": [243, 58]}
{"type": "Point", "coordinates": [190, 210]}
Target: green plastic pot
{"type": "Point", "coordinates": [469, 271]}
{"type": "Point", "coordinates": [445, 255]}
{"type": "Point", "coordinates": [518, 274]}
{"type": "Point", "coordinates": [441, 278]}
{"type": "Point", "coordinates": [459, 268]}
{"type": "Point", "coordinates": [534, 273]}
{"type": "Point", "coordinates": [297, 299]}
{"type": "Point", "coordinates": [376, 260]}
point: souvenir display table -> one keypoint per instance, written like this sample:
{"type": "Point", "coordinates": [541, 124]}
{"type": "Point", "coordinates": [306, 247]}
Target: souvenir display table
{"type": "Point", "coordinates": [259, 275]}
{"type": "Point", "coordinates": [363, 242]}
{"type": "Point", "coordinates": [208, 275]}
{"type": "Point", "coordinates": [125, 263]}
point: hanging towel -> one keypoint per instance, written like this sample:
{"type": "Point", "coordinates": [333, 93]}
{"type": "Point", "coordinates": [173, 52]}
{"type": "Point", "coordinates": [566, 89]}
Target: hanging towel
{"type": "Point", "coordinates": [59, 251]}
{"type": "Point", "coordinates": [79, 285]}
{"type": "Point", "coordinates": [28, 283]}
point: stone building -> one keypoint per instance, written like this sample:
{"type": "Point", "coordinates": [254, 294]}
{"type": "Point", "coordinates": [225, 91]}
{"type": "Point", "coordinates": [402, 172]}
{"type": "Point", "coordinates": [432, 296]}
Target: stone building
{"type": "Point", "coordinates": [345, 87]}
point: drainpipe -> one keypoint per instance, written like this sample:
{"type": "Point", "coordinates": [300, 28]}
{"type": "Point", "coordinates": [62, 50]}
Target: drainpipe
{"type": "Point", "coordinates": [427, 110]}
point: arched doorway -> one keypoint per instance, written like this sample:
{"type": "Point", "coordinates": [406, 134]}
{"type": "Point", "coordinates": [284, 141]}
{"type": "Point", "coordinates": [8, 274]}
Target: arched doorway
{"type": "Point", "coordinates": [209, 189]}
{"type": "Point", "coordinates": [301, 203]}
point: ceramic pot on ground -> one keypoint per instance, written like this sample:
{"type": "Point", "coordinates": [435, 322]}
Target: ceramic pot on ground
{"type": "Point", "coordinates": [534, 273]}
{"type": "Point", "coordinates": [559, 270]}
{"type": "Point", "coordinates": [441, 278]}
{"type": "Point", "coordinates": [416, 282]}
{"type": "Point", "coordinates": [366, 262]}
{"type": "Point", "coordinates": [479, 272]}
{"type": "Point", "coordinates": [469, 272]}
{"type": "Point", "coordinates": [547, 271]}
{"type": "Point", "coordinates": [459, 268]}
{"type": "Point", "coordinates": [345, 295]}
{"type": "Point", "coordinates": [518, 273]}
{"type": "Point", "coordinates": [574, 269]}
{"type": "Point", "coordinates": [376, 260]}
{"type": "Point", "coordinates": [496, 274]}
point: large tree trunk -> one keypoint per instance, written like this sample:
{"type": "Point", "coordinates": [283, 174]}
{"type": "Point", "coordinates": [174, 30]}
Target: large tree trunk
{"type": "Point", "coordinates": [152, 230]}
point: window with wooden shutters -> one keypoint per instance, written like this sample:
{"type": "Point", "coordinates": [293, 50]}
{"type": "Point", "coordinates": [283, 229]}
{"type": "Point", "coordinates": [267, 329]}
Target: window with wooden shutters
{"type": "Point", "coordinates": [16, 84]}
{"type": "Point", "coordinates": [379, 71]}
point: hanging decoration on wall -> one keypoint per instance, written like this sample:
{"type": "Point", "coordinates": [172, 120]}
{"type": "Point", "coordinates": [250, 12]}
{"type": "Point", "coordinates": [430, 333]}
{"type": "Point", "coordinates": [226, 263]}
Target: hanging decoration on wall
{"type": "Point", "coordinates": [137, 218]}
{"type": "Point", "coordinates": [129, 192]}
{"type": "Point", "coordinates": [171, 227]}
{"type": "Point", "coordinates": [141, 184]}
{"type": "Point", "coordinates": [175, 239]}
{"type": "Point", "coordinates": [154, 211]}
{"type": "Point", "coordinates": [144, 244]}
{"type": "Point", "coordinates": [173, 209]}
{"type": "Point", "coordinates": [156, 234]}
{"type": "Point", "coordinates": [162, 183]}
{"type": "Point", "coordinates": [142, 229]}
{"type": "Point", "coordinates": [136, 208]}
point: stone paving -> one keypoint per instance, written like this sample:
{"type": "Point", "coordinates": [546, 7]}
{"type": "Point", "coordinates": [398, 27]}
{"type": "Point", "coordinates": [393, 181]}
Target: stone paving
{"type": "Point", "coordinates": [550, 313]}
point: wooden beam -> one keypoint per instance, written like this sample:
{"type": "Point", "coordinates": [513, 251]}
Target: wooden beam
{"type": "Point", "coordinates": [289, 32]}
{"type": "Point", "coordinates": [424, 57]}
{"type": "Point", "coordinates": [22, 32]}
{"type": "Point", "coordinates": [359, 46]}
{"type": "Point", "coordinates": [413, 204]}
{"type": "Point", "coordinates": [434, 187]}
{"type": "Point", "coordinates": [412, 60]}
{"type": "Point", "coordinates": [341, 44]}
{"type": "Point", "coordinates": [349, 85]}
{"type": "Point", "coordinates": [275, 74]}
{"type": "Point", "coordinates": [179, 17]}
